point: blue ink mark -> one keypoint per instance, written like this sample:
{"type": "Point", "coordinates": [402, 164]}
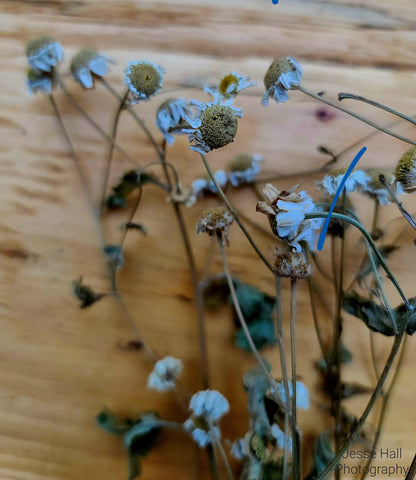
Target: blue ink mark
{"type": "Point", "coordinates": [275, 2]}
{"type": "Point", "coordinates": [322, 235]}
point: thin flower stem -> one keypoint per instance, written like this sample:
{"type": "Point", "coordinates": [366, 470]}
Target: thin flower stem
{"type": "Point", "coordinates": [375, 217]}
{"type": "Point", "coordinates": [283, 366]}
{"type": "Point", "coordinates": [351, 96]}
{"type": "Point", "coordinates": [234, 214]}
{"type": "Point", "coordinates": [296, 434]}
{"type": "Point", "coordinates": [240, 314]}
{"type": "Point", "coordinates": [95, 214]}
{"type": "Point", "coordinates": [380, 258]}
{"type": "Point", "coordinates": [399, 204]}
{"type": "Point", "coordinates": [94, 123]}
{"type": "Point", "coordinates": [412, 470]}
{"type": "Point", "coordinates": [225, 460]}
{"type": "Point", "coordinates": [135, 116]}
{"type": "Point", "coordinates": [394, 350]}
{"type": "Point", "coordinates": [111, 150]}
{"type": "Point", "coordinates": [355, 115]}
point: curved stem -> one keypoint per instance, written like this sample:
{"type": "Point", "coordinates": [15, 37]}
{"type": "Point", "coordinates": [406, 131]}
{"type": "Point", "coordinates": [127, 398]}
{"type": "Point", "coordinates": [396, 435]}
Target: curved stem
{"type": "Point", "coordinates": [398, 203]}
{"type": "Point", "coordinates": [355, 115]}
{"type": "Point", "coordinates": [234, 214]}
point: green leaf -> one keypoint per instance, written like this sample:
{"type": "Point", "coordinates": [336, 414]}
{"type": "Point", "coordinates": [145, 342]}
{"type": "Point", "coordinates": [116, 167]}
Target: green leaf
{"type": "Point", "coordinates": [373, 315]}
{"type": "Point", "coordinates": [406, 317]}
{"type": "Point", "coordinates": [142, 437]}
{"type": "Point", "coordinates": [258, 447]}
{"type": "Point", "coordinates": [85, 293]}
{"type": "Point", "coordinates": [273, 470]}
{"type": "Point", "coordinates": [133, 466]}
{"type": "Point", "coordinates": [350, 389]}
{"type": "Point", "coordinates": [136, 226]}
{"type": "Point", "coordinates": [111, 423]}
{"type": "Point", "coordinates": [262, 332]}
{"type": "Point", "coordinates": [322, 456]}
{"type": "Point", "coordinates": [250, 298]}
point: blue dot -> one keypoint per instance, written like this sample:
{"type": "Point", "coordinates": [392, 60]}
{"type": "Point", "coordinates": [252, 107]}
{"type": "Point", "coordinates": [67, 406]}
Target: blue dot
{"type": "Point", "coordinates": [275, 2]}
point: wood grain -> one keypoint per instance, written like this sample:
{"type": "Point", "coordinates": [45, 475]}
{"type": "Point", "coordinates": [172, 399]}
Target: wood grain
{"type": "Point", "coordinates": [59, 365]}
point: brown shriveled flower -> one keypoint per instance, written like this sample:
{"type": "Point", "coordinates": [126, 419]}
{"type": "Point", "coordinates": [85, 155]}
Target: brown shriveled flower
{"type": "Point", "coordinates": [216, 220]}
{"type": "Point", "coordinates": [291, 265]}
{"type": "Point", "coordinates": [406, 171]}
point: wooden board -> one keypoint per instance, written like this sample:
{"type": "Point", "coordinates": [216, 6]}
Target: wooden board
{"type": "Point", "coordinates": [59, 365]}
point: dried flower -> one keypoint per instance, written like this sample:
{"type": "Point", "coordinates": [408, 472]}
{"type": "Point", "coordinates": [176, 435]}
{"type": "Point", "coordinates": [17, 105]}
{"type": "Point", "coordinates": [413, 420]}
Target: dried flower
{"type": "Point", "coordinates": [213, 126]}
{"type": "Point", "coordinates": [39, 81]}
{"type": "Point", "coordinates": [302, 395]}
{"type": "Point", "coordinates": [286, 212]}
{"type": "Point", "coordinates": [230, 85]}
{"type": "Point", "coordinates": [215, 220]}
{"type": "Point", "coordinates": [172, 116]}
{"type": "Point", "coordinates": [292, 265]}
{"type": "Point", "coordinates": [243, 169]}
{"type": "Point", "coordinates": [164, 374]}
{"type": "Point", "coordinates": [182, 195]}
{"type": "Point", "coordinates": [144, 79]}
{"type": "Point", "coordinates": [375, 189]}
{"type": "Point", "coordinates": [44, 53]}
{"type": "Point", "coordinates": [281, 438]}
{"type": "Point", "coordinates": [207, 406]}
{"type": "Point", "coordinates": [332, 181]}
{"type": "Point", "coordinates": [87, 63]}
{"type": "Point", "coordinates": [205, 184]}
{"type": "Point", "coordinates": [282, 75]}
{"type": "Point", "coordinates": [405, 171]}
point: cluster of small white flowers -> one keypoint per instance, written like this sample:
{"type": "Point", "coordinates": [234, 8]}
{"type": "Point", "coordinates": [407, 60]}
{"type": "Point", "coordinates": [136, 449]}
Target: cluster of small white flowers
{"type": "Point", "coordinates": [302, 394]}
{"type": "Point", "coordinates": [87, 63]}
{"type": "Point", "coordinates": [207, 406]}
{"type": "Point", "coordinates": [164, 374]}
{"type": "Point", "coordinates": [44, 53]}
{"type": "Point", "coordinates": [240, 177]}
{"type": "Point", "coordinates": [230, 85]}
{"type": "Point", "coordinates": [170, 116]}
{"type": "Point", "coordinates": [283, 74]}
{"type": "Point", "coordinates": [205, 185]}
{"type": "Point", "coordinates": [355, 180]}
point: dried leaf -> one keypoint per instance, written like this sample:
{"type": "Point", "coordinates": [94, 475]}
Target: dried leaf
{"type": "Point", "coordinates": [322, 456]}
{"type": "Point", "coordinates": [85, 293]}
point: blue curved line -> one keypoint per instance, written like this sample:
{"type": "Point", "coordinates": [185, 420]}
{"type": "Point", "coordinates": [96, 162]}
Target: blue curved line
{"type": "Point", "coordinates": [322, 235]}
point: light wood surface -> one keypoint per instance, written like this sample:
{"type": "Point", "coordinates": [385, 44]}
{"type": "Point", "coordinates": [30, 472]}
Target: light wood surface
{"type": "Point", "coordinates": [59, 365]}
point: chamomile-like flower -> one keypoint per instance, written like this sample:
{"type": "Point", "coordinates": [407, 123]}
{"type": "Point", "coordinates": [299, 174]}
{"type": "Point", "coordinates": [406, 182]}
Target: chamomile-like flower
{"type": "Point", "coordinates": [39, 81]}
{"type": "Point", "coordinates": [172, 116]}
{"type": "Point", "coordinates": [405, 171]}
{"type": "Point", "coordinates": [357, 179]}
{"type": "Point", "coordinates": [207, 406]}
{"type": "Point", "coordinates": [213, 126]}
{"type": "Point", "coordinates": [216, 220]}
{"type": "Point", "coordinates": [243, 169]}
{"type": "Point", "coordinates": [282, 75]}
{"type": "Point", "coordinates": [286, 212]}
{"type": "Point", "coordinates": [89, 63]}
{"type": "Point", "coordinates": [164, 374]}
{"type": "Point", "coordinates": [144, 79]}
{"type": "Point", "coordinates": [230, 85]}
{"type": "Point", "coordinates": [376, 189]}
{"type": "Point", "coordinates": [203, 185]}
{"type": "Point", "coordinates": [44, 53]}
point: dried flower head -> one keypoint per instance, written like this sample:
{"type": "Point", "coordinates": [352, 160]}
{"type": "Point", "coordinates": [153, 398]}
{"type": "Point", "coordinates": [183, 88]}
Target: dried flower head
{"type": "Point", "coordinates": [405, 171]}
{"type": "Point", "coordinates": [39, 81]}
{"type": "Point", "coordinates": [216, 220]}
{"type": "Point", "coordinates": [207, 406]}
{"type": "Point", "coordinates": [204, 185]}
{"type": "Point", "coordinates": [282, 75]}
{"type": "Point", "coordinates": [44, 53]}
{"type": "Point", "coordinates": [332, 181]}
{"type": "Point", "coordinates": [164, 374]}
{"type": "Point", "coordinates": [291, 265]}
{"type": "Point", "coordinates": [172, 117]}
{"type": "Point", "coordinates": [286, 212]}
{"type": "Point", "coordinates": [144, 79]}
{"type": "Point", "coordinates": [230, 85]}
{"type": "Point", "coordinates": [214, 126]}
{"type": "Point", "coordinates": [87, 63]}
{"type": "Point", "coordinates": [182, 195]}
{"type": "Point", "coordinates": [243, 169]}
{"type": "Point", "coordinates": [376, 189]}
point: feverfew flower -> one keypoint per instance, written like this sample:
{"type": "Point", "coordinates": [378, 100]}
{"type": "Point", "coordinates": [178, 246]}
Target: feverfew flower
{"type": "Point", "coordinates": [376, 189]}
{"type": "Point", "coordinates": [207, 406]}
{"type": "Point", "coordinates": [172, 116]}
{"type": "Point", "coordinates": [230, 85]}
{"type": "Point", "coordinates": [165, 374]}
{"type": "Point", "coordinates": [213, 126]}
{"type": "Point", "coordinates": [144, 79]}
{"type": "Point", "coordinates": [286, 212]}
{"type": "Point", "coordinates": [215, 220]}
{"type": "Point", "coordinates": [243, 169]}
{"type": "Point", "coordinates": [405, 171]}
{"type": "Point", "coordinates": [281, 438]}
{"type": "Point", "coordinates": [302, 395]}
{"type": "Point", "coordinates": [44, 53]}
{"type": "Point", "coordinates": [332, 181]}
{"type": "Point", "coordinates": [205, 184]}
{"type": "Point", "coordinates": [87, 63]}
{"type": "Point", "coordinates": [283, 74]}
{"type": "Point", "coordinates": [39, 81]}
